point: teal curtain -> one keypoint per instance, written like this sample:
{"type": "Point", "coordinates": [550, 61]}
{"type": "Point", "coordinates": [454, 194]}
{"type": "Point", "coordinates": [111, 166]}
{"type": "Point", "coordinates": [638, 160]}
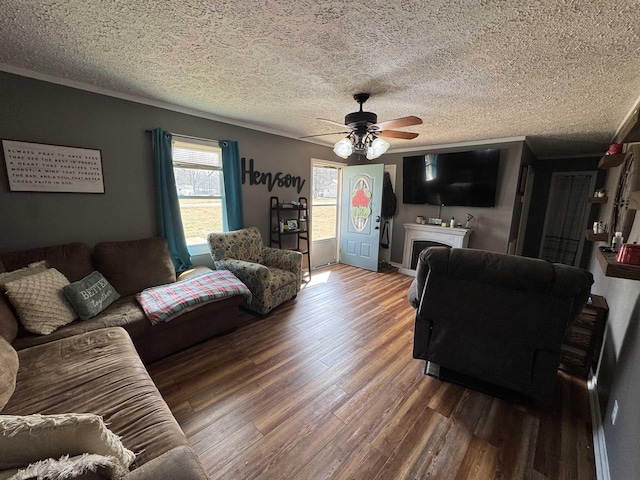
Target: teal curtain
{"type": "Point", "coordinates": [232, 213]}
{"type": "Point", "coordinates": [167, 206]}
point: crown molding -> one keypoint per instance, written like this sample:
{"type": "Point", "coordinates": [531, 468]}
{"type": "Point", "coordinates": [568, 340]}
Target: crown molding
{"type": "Point", "coordinates": [492, 141]}
{"type": "Point", "coordinates": [142, 100]}
{"type": "Point", "coordinates": [23, 72]}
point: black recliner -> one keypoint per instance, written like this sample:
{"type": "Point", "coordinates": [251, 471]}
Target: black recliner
{"type": "Point", "coordinates": [494, 322]}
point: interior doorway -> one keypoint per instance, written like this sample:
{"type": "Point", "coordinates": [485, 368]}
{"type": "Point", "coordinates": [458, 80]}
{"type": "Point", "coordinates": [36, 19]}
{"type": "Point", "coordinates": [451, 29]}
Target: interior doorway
{"type": "Point", "coordinates": [325, 212]}
{"type": "Point", "coordinates": [386, 232]}
{"type": "Point", "coordinates": [566, 217]}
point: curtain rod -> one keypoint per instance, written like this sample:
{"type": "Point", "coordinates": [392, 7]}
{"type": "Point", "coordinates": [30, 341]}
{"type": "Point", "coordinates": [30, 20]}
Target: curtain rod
{"type": "Point", "coordinates": [189, 136]}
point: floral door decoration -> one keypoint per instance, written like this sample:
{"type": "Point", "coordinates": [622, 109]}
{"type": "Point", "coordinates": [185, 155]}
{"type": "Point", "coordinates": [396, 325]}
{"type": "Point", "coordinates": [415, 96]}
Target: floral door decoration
{"type": "Point", "coordinates": [360, 204]}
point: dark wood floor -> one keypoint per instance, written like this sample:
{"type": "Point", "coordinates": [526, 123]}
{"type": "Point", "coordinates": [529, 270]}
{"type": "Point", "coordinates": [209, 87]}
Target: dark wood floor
{"type": "Point", "coordinates": [326, 388]}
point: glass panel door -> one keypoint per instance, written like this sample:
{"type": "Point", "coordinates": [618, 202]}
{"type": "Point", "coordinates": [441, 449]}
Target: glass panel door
{"type": "Point", "coordinates": [324, 213]}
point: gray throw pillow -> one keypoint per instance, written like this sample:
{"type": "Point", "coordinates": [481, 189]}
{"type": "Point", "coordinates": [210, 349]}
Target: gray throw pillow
{"type": "Point", "coordinates": [91, 295]}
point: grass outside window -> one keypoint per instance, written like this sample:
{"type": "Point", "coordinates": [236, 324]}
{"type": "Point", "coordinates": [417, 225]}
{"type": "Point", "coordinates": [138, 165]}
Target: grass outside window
{"type": "Point", "coordinates": [200, 216]}
{"type": "Point", "coordinates": [324, 217]}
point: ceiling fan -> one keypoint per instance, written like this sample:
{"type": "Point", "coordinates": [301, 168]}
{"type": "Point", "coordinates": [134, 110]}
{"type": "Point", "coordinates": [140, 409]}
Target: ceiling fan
{"type": "Point", "coordinates": [365, 134]}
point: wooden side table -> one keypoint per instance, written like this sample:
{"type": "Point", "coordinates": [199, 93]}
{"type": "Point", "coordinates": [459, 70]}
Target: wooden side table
{"type": "Point", "coordinates": [581, 346]}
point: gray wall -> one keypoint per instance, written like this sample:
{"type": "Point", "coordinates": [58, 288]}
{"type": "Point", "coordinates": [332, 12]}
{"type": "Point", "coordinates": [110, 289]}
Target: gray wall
{"type": "Point", "coordinates": [491, 226]}
{"type": "Point", "coordinates": [619, 372]}
{"type": "Point", "coordinates": [35, 111]}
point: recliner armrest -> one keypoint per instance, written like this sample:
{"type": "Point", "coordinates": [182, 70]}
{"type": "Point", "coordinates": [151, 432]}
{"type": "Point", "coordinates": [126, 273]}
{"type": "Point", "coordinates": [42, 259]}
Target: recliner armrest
{"type": "Point", "coordinates": [412, 294]}
{"type": "Point", "coordinates": [422, 272]}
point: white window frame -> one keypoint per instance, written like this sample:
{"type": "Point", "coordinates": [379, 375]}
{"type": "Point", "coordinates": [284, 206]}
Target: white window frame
{"type": "Point", "coordinates": [200, 248]}
{"type": "Point", "coordinates": [326, 244]}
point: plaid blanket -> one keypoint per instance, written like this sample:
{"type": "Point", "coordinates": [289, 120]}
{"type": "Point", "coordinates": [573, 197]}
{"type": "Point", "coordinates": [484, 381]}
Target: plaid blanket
{"type": "Point", "coordinates": [166, 302]}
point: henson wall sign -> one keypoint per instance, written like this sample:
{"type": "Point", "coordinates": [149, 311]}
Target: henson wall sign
{"type": "Point", "coordinates": [269, 179]}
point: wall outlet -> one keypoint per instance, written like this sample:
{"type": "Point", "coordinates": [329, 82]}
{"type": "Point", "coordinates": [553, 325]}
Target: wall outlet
{"type": "Point", "coordinates": [614, 412]}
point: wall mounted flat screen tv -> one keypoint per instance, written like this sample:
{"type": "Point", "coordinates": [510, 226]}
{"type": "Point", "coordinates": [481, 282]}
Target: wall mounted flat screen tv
{"type": "Point", "coordinates": [456, 179]}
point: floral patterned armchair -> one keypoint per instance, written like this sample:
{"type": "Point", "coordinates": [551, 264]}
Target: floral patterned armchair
{"type": "Point", "coordinates": [273, 275]}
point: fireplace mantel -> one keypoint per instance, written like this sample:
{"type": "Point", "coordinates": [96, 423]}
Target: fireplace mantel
{"type": "Point", "coordinates": [416, 232]}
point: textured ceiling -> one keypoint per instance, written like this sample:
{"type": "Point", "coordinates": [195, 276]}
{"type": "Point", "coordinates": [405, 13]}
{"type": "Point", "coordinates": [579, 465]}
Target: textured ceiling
{"type": "Point", "coordinates": [563, 73]}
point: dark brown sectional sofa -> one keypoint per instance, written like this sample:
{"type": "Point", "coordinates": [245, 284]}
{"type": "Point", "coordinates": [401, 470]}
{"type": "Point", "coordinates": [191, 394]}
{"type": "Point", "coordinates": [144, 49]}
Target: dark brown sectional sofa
{"type": "Point", "coordinates": [130, 267]}
{"type": "Point", "coordinates": [97, 365]}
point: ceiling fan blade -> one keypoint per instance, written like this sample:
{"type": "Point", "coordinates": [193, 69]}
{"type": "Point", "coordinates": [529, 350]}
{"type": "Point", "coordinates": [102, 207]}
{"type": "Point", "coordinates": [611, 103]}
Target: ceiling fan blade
{"type": "Point", "coordinates": [323, 134]}
{"type": "Point", "coordinates": [396, 134]}
{"type": "Point", "coordinates": [397, 123]}
{"type": "Point", "coordinates": [331, 121]}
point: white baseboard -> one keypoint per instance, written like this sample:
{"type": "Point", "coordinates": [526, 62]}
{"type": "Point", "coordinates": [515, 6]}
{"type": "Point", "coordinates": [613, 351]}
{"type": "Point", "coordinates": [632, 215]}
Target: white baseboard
{"type": "Point", "coordinates": [404, 271]}
{"type": "Point", "coordinates": [599, 443]}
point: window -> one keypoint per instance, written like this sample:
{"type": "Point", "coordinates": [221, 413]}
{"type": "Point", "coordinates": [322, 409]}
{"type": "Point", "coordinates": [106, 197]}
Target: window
{"type": "Point", "coordinates": [324, 203]}
{"type": "Point", "coordinates": [197, 167]}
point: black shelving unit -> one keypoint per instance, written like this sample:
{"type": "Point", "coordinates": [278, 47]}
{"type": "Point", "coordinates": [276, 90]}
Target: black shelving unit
{"type": "Point", "coordinates": [290, 212]}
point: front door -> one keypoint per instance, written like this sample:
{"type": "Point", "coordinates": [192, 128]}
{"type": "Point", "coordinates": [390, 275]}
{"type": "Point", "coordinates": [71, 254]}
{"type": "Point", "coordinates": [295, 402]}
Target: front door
{"type": "Point", "coordinates": [360, 220]}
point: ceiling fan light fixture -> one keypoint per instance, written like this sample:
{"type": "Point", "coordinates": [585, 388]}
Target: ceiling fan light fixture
{"type": "Point", "coordinates": [377, 148]}
{"type": "Point", "coordinates": [343, 148]}
{"type": "Point", "coordinates": [363, 138]}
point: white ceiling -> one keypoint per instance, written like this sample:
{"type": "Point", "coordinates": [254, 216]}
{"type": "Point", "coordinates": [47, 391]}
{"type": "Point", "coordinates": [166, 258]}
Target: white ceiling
{"type": "Point", "coordinates": [563, 73]}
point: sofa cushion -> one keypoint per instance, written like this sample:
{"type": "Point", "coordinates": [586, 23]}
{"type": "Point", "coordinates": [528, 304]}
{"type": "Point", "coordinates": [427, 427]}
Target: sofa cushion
{"type": "Point", "coordinates": [192, 272]}
{"type": "Point", "coordinates": [39, 301]}
{"type": "Point", "coordinates": [8, 371]}
{"type": "Point", "coordinates": [98, 372]}
{"type": "Point", "coordinates": [132, 266]}
{"type": "Point", "coordinates": [280, 278]}
{"type": "Point", "coordinates": [91, 295]}
{"type": "Point", "coordinates": [124, 312]}
{"type": "Point", "coordinates": [30, 438]}
{"type": "Point", "coordinates": [166, 302]}
{"type": "Point", "coordinates": [73, 259]}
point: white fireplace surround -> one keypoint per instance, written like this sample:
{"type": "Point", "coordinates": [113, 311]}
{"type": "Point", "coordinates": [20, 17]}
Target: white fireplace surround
{"type": "Point", "coordinates": [416, 232]}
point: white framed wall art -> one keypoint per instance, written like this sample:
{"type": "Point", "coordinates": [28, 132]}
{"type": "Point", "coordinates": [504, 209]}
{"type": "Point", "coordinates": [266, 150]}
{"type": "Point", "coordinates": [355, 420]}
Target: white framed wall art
{"type": "Point", "coordinates": [38, 167]}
